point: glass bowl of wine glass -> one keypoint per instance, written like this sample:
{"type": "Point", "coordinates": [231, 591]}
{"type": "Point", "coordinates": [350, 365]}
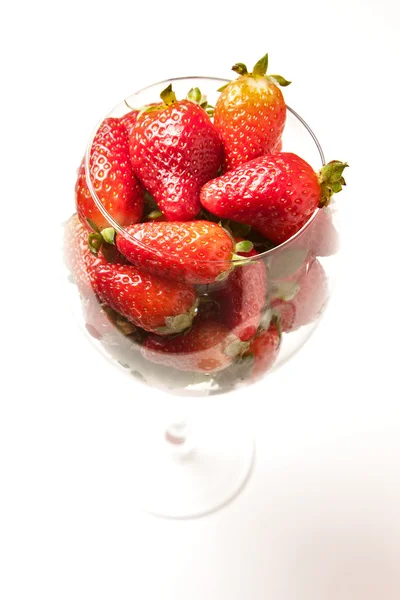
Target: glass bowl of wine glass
{"type": "Point", "coordinates": [201, 335]}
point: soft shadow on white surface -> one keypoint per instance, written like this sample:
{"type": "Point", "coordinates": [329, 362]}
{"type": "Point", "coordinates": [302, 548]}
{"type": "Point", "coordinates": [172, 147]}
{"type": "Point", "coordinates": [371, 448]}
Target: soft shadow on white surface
{"type": "Point", "coordinates": [325, 525]}
{"type": "Point", "coordinates": [320, 522]}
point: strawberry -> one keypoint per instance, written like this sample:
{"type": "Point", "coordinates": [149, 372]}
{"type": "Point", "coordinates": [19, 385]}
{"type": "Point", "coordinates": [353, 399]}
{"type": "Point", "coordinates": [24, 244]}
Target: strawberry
{"type": "Point", "coordinates": [309, 301]}
{"type": "Point", "coordinates": [129, 121]}
{"type": "Point", "coordinates": [78, 257]}
{"type": "Point", "coordinates": [175, 149]}
{"type": "Point", "coordinates": [203, 349]}
{"type": "Point", "coordinates": [150, 302]}
{"type": "Point", "coordinates": [243, 297]}
{"type": "Point", "coordinates": [112, 177]}
{"type": "Point", "coordinates": [264, 348]}
{"type": "Point", "coordinates": [250, 114]}
{"type": "Point", "coordinates": [194, 252]}
{"type": "Point", "coordinates": [275, 194]}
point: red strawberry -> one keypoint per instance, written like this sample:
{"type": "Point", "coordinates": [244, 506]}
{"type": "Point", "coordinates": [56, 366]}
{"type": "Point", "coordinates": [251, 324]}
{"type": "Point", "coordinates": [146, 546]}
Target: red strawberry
{"type": "Point", "coordinates": [78, 257]}
{"type": "Point", "coordinates": [112, 178]}
{"type": "Point", "coordinates": [264, 348]}
{"type": "Point", "coordinates": [195, 251]}
{"type": "Point", "coordinates": [150, 302]}
{"type": "Point", "coordinates": [202, 349]}
{"type": "Point", "coordinates": [243, 297]}
{"type": "Point", "coordinates": [275, 194]}
{"type": "Point", "coordinates": [175, 149]}
{"type": "Point", "coordinates": [309, 301]}
{"type": "Point", "coordinates": [250, 114]}
{"type": "Point", "coordinates": [129, 121]}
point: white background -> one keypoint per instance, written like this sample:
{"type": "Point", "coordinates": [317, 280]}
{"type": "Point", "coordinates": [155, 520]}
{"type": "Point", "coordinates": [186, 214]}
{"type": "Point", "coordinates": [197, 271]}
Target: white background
{"type": "Point", "coordinates": [320, 517]}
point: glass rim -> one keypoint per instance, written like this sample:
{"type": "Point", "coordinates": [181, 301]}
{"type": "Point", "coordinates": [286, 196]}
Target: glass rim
{"type": "Point", "coordinates": [122, 231]}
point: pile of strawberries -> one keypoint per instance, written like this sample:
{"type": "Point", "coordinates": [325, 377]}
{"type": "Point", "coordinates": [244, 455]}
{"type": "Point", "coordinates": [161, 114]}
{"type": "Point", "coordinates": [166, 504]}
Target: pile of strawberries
{"type": "Point", "coordinates": [198, 192]}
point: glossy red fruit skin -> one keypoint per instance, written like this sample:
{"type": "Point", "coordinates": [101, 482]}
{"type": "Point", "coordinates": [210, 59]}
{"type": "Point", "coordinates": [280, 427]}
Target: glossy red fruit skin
{"type": "Point", "coordinates": [201, 350]}
{"type": "Point", "coordinates": [129, 121]}
{"type": "Point", "coordinates": [112, 177]}
{"type": "Point", "coordinates": [78, 258]}
{"type": "Point", "coordinates": [193, 252]}
{"type": "Point", "coordinates": [277, 148]}
{"type": "Point", "coordinates": [175, 150]}
{"type": "Point", "coordinates": [250, 115]}
{"type": "Point", "coordinates": [275, 194]}
{"type": "Point", "coordinates": [144, 299]}
{"type": "Point", "coordinates": [309, 301]}
{"type": "Point", "coordinates": [243, 297]}
{"type": "Point", "coordinates": [265, 348]}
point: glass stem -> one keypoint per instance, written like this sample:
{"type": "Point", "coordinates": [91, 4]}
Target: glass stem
{"type": "Point", "coordinates": [179, 439]}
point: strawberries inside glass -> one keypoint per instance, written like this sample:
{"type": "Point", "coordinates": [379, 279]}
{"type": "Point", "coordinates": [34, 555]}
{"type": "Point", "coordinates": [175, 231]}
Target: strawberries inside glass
{"type": "Point", "coordinates": [204, 231]}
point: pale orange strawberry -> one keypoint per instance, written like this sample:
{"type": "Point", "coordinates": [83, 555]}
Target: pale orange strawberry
{"type": "Point", "coordinates": [250, 114]}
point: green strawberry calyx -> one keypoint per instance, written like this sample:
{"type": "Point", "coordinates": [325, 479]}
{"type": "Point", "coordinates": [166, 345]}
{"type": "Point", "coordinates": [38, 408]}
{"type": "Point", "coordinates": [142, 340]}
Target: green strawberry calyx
{"type": "Point", "coordinates": [259, 70]}
{"type": "Point", "coordinates": [121, 323]}
{"type": "Point", "coordinates": [195, 95]}
{"type": "Point", "coordinates": [242, 247]}
{"type": "Point", "coordinates": [154, 214]}
{"type": "Point", "coordinates": [168, 98]}
{"type": "Point", "coordinates": [97, 238]}
{"type": "Point", "coordinates": [179, 323]}
{"type": "Point", "coordinates": [236, 348]}
{"type": "Point", "coordinates": [104, 240]}
{"type": "Point", "coordinates": [331, 180]}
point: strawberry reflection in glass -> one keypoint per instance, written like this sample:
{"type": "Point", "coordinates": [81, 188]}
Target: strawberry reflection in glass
{"type": "Point", "coordinates": [301, 301]}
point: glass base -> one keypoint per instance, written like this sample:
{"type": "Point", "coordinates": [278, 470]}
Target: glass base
{"type": "Point", "coordinates": [190, 473]}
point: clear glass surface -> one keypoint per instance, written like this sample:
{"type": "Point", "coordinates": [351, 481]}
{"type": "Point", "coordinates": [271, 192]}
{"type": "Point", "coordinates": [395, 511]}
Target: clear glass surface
{"type": "Point", "coordinates": [299, 276]}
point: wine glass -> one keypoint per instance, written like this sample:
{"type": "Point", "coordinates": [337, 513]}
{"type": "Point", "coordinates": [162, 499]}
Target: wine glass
{"type": "Point", "coordinates": [181, 474]}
